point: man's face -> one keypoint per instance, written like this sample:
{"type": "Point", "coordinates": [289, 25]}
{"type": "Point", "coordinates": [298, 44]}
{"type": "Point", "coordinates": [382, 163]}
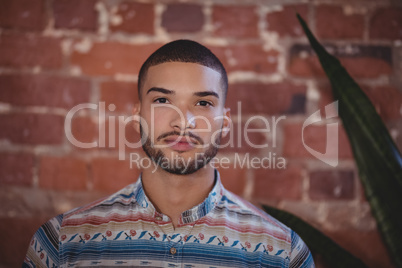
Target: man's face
{"type": "Point", "coordinates": [182, 115]}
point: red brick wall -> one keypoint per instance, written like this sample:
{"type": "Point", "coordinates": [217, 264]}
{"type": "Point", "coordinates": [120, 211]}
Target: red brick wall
{"type": "Point", "coordinates": [57, 54]}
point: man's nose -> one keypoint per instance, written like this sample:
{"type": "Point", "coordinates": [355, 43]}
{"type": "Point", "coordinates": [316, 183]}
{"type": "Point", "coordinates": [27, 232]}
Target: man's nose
{"type": "Point", "coordinates": [183, 120]}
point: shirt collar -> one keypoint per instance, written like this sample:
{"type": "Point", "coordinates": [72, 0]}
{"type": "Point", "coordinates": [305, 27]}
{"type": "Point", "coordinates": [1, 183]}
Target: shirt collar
{"type": "Point", "coordinates": [190, 215]}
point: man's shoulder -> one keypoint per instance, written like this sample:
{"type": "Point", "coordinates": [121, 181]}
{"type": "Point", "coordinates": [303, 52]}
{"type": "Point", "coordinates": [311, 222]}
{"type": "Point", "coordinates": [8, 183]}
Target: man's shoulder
{"type": "Point", "coordinates": [101, 206]}
{"type": "Point", "coordinates": [245, 212]}
{"type": "Point", "coordinates": [48, 233]}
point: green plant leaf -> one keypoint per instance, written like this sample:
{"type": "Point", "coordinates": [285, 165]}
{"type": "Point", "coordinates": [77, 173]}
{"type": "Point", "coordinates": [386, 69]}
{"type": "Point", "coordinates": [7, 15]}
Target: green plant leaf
{"type": "Point", "coordinates": [319, 243]}
{"type": "Point", "coordinates": [378, 158]}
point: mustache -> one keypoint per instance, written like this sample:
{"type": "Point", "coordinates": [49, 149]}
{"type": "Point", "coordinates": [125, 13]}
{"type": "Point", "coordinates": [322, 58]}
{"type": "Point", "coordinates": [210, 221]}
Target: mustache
{"type": "Point", "coordinates": [176, 133]}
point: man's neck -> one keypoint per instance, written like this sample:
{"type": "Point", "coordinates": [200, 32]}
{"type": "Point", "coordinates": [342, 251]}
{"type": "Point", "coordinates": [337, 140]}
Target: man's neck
{"type": "Point", "coordinates": [173, 194]}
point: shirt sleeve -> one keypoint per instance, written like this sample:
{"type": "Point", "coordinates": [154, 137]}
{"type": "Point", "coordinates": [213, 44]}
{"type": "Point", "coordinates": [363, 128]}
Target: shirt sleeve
{"type": "Point", "coordinates": [43, 250]}
{"type": "Point", "coordinates": [300, 255]}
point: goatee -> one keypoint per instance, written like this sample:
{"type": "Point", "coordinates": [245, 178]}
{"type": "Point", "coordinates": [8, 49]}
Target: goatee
{"type": "Point", "coordinates": [179, 165]}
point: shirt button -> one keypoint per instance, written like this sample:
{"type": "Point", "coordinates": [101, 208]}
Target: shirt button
{"type": "Point", "coordinates": [173, 250]}
{"type": "Point", "coordinates": [158, 218]}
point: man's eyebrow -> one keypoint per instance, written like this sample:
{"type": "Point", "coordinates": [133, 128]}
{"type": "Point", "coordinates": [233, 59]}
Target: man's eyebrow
{"type": "Point", "coordinates": [206, 93]}
{"type": "Point", "coordinates": [161, 90]}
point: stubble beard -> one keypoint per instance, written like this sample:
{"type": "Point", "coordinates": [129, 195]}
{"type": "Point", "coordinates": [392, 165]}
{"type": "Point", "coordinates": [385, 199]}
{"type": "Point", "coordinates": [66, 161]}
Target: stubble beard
{"type": "Point", "coordinates": [179, 165]}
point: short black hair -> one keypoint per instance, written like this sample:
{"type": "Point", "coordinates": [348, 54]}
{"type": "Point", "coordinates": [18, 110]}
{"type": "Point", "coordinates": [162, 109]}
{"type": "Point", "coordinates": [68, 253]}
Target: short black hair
{"type": "Point", "coordinates": [184, 51]}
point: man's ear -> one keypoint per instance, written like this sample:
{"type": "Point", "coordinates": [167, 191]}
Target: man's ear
{"type": "Point", "coordinates": [227, 122]}
{"type": "Point", "coordinates": [136, 116]}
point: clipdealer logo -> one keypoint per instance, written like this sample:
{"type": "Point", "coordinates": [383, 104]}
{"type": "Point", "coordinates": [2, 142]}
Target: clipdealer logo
{"type": "Point", "coordinates": [330, 156]}
{"type": "Point", "coordinates": [267, 127]}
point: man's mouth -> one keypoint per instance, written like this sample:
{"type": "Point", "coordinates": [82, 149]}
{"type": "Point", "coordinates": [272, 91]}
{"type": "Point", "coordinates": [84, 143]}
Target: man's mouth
{"type": "Point", "coordinates": [180, 143]}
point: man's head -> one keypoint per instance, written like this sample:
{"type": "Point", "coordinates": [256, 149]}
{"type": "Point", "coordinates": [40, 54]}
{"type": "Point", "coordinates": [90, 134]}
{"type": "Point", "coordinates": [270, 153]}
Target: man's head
{"type": "Point", "coordinates": [183, 51]}
{"type": "Point", "coordinates": [182, 88]}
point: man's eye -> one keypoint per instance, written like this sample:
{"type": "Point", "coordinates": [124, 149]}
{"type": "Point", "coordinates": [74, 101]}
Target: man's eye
{"type": "Point", "coordinates": [204, 103]}
{"type": "Point", "coordinates": [161, 100]}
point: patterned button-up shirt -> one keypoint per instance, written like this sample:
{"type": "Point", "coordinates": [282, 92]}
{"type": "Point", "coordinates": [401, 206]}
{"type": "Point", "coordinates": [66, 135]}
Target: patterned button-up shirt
{"type": "Point", "coordinates": [125, 230]}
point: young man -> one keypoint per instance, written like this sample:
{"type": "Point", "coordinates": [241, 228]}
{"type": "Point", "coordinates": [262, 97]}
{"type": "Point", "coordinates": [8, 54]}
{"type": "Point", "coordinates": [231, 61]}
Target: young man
{"type": "Point", "coordinates": [177, 214]}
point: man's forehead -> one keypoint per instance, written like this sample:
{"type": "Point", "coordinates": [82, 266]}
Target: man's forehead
{"type": "Point", "coordinates": [183, 73]}
{"type": "Point", "coordinates": [182, 65]}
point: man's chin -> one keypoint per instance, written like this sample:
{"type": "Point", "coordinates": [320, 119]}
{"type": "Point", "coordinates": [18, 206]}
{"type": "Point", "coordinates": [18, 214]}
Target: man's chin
{"type": "Point", "coordinates": [182, 156]}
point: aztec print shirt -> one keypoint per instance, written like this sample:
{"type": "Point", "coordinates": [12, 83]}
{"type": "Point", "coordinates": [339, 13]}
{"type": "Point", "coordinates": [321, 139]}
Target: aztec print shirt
{"type": "Point", "coordinates": [125, 230]}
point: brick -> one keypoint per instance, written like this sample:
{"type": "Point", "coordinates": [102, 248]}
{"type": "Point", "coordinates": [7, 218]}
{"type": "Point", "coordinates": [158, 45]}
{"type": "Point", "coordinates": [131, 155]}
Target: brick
{"type": "Point", "coordinates": [356, 69]}
{"type": "Point", "coordinates": [134, 18]}
{"type": "Point", "coordinates": [309, 212]}
{"type": "Point", "coordinates": [64, 201]}
{"type": "Point", "coordinates": [16, 234]}
{"type": "Point", "coordinates": [84, 129]}
{"type": "Point", "coordinates": [25, 202]}
{"type": "Point", "coordinates": [285, 22]}
{"type": "Point", "coordinates": [341, 216]}
{"type": "Point", "coordinates": [386, 100]}
{"type": "Point", "coordinates": [361, 244]}
{"type": "Point", "coordinates": [233, 177]}
{"type": "Point", "coordinates": [272, 99]}
{"type": "Point", "coordinates": [305, 66]}
{"type": "Point", "coordinates": [278, 184]}
{"type": "Point", "coordinates": [251, 57]}
{"type": "Point", "coordinates": [235, 21]}
{"type": "Point", "coordinates": [17, 50]}
{"type": "Point", "coordinates": [63, 173]}
{"type": "Point", "coordinates": [32, 128]}
{"type": "Point", "coordinates": [332, 22]}
{"type": "Point", "coordinates": [16, 169]}
{"type": "Point", "coordinates": [75, 14]}
{"type": "Point", "coordinates": [110, 58]}
{"type": "Point", "coordinates": [22, 14]}
{"type": "Point", "coordinates": [354, 58]}
{"type": "Point", "coordinates": [112, 174]}
{"type": "Point", "coordinates": [117, 132]}
{"type": "Point", "coordinates": [326, 97]}
{"type": "Point", "coordinates": [332, 185]}
{"type": "Point", "coordinates": [112, 134]}
{"type": "Point", "coordinates": [386, 23]}
{"type": "Point", "coordinates": [43, 90]}
{"type": "Point", "coordinates": [349, 216]}
{"type": "Point", "coordinates": [236, 140]}
{"type": "Point", "coordinates": [365, 220]}
{"type": "Point", "coordinates": [183, 18]}
{"type": "Point", "coordinates": [315, 136]}
{"type": "Point", "coordinates": [121, 94]}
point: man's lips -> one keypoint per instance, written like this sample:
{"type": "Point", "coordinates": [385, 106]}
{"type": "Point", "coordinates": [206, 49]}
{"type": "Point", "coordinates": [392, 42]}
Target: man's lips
{"type": "Point", "coordinates": [181, 143]}
{"type": "Point", "coordinates": [180, 139]}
